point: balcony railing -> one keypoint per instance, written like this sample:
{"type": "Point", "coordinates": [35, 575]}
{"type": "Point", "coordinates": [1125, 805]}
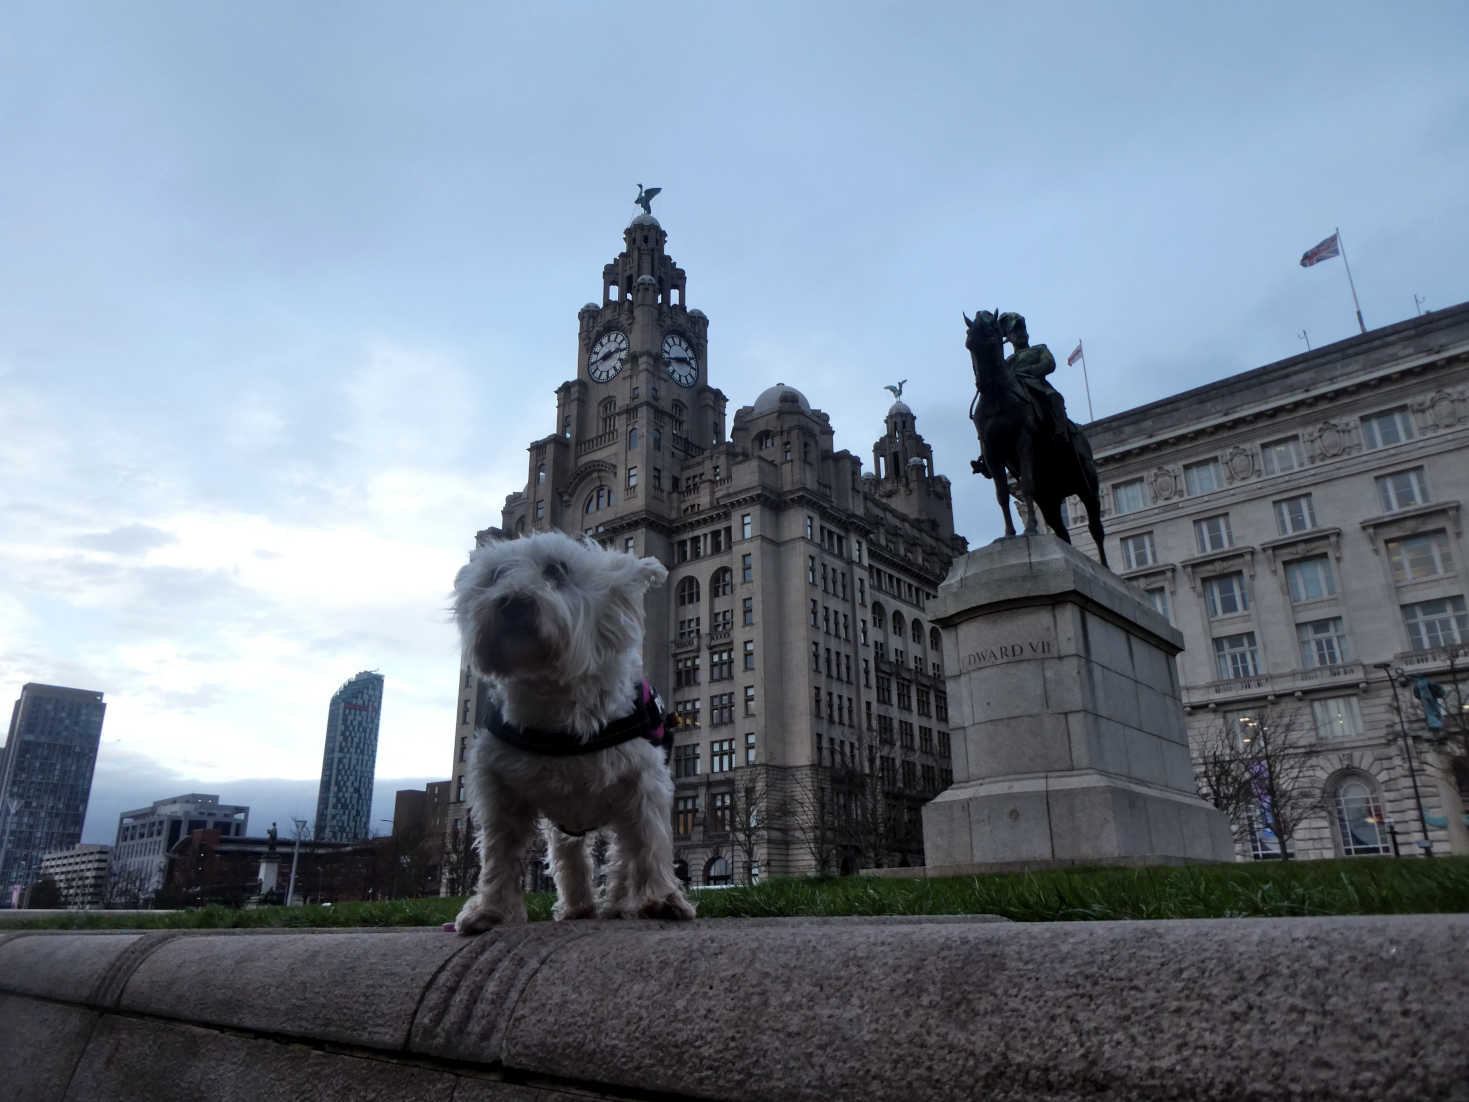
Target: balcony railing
{"type": "Point", "coordinates": [591, 444]}
{"type": "Point", "coordinates": [1344, 674]}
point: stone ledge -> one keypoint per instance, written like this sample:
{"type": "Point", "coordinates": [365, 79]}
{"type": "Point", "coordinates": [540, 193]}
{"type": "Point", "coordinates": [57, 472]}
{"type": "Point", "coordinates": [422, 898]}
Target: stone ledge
{"type": "Point", "coordinates": [1320, 1008]}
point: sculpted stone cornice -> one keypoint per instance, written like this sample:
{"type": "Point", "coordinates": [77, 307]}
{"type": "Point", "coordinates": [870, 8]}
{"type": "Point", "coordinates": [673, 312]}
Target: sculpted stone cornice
{"type": "Point", "coordinates": [1300, 544]}
{"type": "Point", "coordinates": [1410, 522]}
{"type": "Point", "coordinates": [1219, 562]}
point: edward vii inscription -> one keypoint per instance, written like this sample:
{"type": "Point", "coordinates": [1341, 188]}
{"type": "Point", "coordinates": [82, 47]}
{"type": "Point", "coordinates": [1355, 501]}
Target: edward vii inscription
{"type": "Point", "coordinates": [1008, 652]}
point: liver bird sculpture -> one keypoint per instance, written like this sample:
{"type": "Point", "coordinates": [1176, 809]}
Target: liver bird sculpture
{"type": "Point", "coordinates": [897, 390]}
{"type": "Point", "coordinates": [645, 198]}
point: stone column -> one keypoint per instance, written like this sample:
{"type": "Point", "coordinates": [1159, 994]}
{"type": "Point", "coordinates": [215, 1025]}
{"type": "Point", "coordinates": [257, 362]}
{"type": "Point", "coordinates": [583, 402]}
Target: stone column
{"type": "Point", "coordinates": [1068, 736]}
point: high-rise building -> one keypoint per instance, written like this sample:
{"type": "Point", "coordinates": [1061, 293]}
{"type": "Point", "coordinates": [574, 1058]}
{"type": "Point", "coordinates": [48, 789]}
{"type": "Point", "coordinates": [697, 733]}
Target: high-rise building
{"type": "Point", "coordinates": [349, 760]}
{"type": "Point", "coordinates": [145, 837]}
{"type": "Point", "coordinates": [46, 779]}
{"type": "Point", "coordinates": [1302, 525]}
{"type": "Point", "coordinates": [791, 638]}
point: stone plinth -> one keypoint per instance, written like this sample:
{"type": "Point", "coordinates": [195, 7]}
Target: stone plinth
{"type": "Point", "coordinates": [1069, 744]}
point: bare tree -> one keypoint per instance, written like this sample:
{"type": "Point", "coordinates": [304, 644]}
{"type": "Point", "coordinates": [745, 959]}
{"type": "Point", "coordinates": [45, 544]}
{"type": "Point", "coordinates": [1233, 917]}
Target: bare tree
{"type": "Point", "coordinates": [749, 817]}
{"type": "Point", "coordinates": [461, 860]}
{"type": "Point", "coordinates": [811, 811]}
{"type": "Point", "coordinates": [1258, 768]}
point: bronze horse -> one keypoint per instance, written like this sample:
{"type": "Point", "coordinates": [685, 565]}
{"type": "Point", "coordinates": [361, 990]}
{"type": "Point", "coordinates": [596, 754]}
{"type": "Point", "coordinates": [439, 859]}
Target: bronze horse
{"type": "Point", "coordinates": [1014, 438]}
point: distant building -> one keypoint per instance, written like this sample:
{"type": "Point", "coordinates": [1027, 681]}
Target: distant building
{"type": "Point", "coordinates": [1302, 525]}
{"type": "Point", "coordinates": [419, 822]}
{"type": "Point", "coordinates": [206, 867]}
{"type": "Point", "coordinates": [80, 873]}
{"type": "Point", "coordinates": [144, 837]}
{"type": "Point", "coordinates": [45, 779]}
{"type": "Point", "coordinates": [791, 638]}
{"type": "Point", "coordinates": [349, 760]}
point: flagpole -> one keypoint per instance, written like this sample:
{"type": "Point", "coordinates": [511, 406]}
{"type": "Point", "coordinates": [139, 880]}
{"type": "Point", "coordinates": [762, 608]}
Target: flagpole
{"type": "Point", "coordinates": [1090, 416]}
{"type": "Point", "coordinates": [1350, 282]}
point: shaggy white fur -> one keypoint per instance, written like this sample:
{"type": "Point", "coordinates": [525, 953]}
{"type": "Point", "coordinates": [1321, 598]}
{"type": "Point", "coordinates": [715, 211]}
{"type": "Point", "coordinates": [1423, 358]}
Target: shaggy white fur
{"type": "Point", "coordinates": [556, 625]}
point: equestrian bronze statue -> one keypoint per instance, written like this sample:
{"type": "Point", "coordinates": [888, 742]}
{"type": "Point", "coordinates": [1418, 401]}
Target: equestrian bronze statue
{"type": "Point", "coordinates": [1024, 433]}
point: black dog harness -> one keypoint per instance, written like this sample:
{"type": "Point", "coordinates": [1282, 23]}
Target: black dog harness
{"type": "Point", "coordinates": [646, 720]}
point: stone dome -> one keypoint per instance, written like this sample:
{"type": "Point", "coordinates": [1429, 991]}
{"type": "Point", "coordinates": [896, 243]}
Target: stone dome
{"type": "Point", "coordinates": [780, 396]}
{"type": "Point", "coordinates": [645, 220]}
{"type": "Point", "coordinates": [899, 406]}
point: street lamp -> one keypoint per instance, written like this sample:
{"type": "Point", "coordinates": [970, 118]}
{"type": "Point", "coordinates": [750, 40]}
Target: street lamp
{"type": "Point", "coordinates": [1392, 676]}
{"type": "Point", "coordinates": [291, 887]}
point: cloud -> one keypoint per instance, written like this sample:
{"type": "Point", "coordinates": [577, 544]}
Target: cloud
{"type": "Point", "coordinates": [133, 539]}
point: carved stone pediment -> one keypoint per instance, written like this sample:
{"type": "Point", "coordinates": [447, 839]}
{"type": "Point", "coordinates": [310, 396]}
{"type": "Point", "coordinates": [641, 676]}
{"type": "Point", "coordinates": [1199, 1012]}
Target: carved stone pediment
{"type": "Point", "coordinates": [1332, 440]}
{"type": "Point", "coordinates": [1443, 409]}
{"type": "Point", "coordinates": [1165, 484]}
{"type": "Point", "coordinates": [1239, 464]}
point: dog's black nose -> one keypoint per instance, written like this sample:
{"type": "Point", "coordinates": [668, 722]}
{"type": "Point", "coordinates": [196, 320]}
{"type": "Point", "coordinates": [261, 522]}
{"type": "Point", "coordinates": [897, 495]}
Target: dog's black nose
{"type": "Point", "coordinates": [516, 609]}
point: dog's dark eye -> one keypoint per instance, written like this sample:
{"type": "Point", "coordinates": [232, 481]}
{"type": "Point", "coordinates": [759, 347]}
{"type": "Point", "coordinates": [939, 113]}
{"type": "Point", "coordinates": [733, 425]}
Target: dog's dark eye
{"type": "Point", "coordinates": [555, 572]}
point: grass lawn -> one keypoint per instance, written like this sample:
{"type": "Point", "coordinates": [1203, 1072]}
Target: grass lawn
{"type": "Point", "coordinates": [1269, 889]}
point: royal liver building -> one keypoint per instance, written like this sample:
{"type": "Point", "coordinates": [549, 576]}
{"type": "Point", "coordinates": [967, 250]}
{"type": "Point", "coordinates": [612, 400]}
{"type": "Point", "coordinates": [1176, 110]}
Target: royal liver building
{"type": "Point", "coordinates": [792, 638]}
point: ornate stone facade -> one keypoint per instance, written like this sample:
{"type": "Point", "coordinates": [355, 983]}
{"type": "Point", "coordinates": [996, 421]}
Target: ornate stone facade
{"type": "Point", "coordinates": [1301, 525]}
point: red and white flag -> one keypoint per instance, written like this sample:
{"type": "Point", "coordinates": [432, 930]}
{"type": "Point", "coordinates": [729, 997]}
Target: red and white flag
{"type": "Point", "coordinates": [1324, 251]}
{"type": "Point", "coordinates": [1075, 355]}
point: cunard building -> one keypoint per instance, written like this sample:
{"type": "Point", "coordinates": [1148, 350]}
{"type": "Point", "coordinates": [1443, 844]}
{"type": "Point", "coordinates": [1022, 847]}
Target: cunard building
{"type": "Point", "coordinates": [1302, 525]}
{"type": "Point", "coordinates": [791, 638]}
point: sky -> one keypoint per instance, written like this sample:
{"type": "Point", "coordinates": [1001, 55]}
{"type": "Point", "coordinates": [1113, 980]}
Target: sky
{"type": "Point", "coordinates": [288, 289]}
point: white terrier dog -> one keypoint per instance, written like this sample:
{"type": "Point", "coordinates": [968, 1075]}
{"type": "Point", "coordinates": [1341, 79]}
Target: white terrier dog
{"type": "Point", "coordinates": [556, 625]}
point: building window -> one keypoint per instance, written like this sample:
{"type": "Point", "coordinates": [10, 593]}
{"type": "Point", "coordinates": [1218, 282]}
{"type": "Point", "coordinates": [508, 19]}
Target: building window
{"type": "Point", "coordinates": [686, 761]}
{"type": "Point", "coordinates": [1391, 426]}
{"type": "Point", "coordinates": [540, 508]}
{"type": "Point", "coordinates": [1129, 497]}
{"type": "Point", "coordinates": [1294, 514]}
{"type": "Point", "coordinates": [1323, 643]}
{"type": "Point", "coordinates": [745, 526]}
{"type": "Point", "coordinates": [941, 713]}
{"type": "Point", "coordinates": [686, 811]}
{"type": "Point", "coordinates": [609, 415]}
{"type": "Point", "coordinates": [721, 709]}
{"type": "Point", "coordinates": [1359, 819]}
{"type": "Point", "coordinates": [1226, 595]}
{"type": "Point", "coordinates": [1282, 456]}
{"type": "Point", "coordinates": [1310, 579]}
{"type": "Point", "coordinates": [925, 705]}
{"type": "Point", "coordinates": [632, 438]}
{"type": "Point", "coordinates": [657, 440]}
{"type": "Point", "coordinates": [686, 671]}
{"type": "Point", "coordinates": [721, 665]}
{"type": "Point", "coordinates": [1235, 656]}
{"type": "Point", "coordinates": [1201, 478]}
{"type": "Point", "coordinates": [1402, 489]}
{"type": "Point", "coordinates": [1337, 717]}
{"type": "Point", "coordinates": [747, 610]}
{"type": "Point", "coordinates": [721, 756]}
{"type": "Point", "coordinates": [721, 584]}
{"type": "Point", "coordinates": [1137, 551]}
{"type": "Point", "coordinates": [750, 758]}
{"type": "Point", "coordinates": [1415, 557]}
{"type": "Point", "coordinates": [1158, 598]}
{"type": "Point", "coordinates": [1213, 533]}
{"type": "Point", "coordinates": [600, 498]}
{"type": "Point", "coordinates": [688, 713]}
{"type": "Point", "coordinates": [905, 695]}
{"type": "Point", "coordinates": [1439, 623]}
{"type": "Point", "coordinates": [630, 545]}
{"type": "Point", "coordinates": [749, 700]}
{"type": "Point", "coordinates": [687, 592]}
{"type": "Point", "coordinates": [719, 822]}
{"type": "Point", "coordinates": [632, 477]}
{"type": "Point", "coordinates": [749, 654]}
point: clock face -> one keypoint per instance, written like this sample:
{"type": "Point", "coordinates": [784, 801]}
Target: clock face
{"type": "Point", "coordinates": [608, 356]}
{"type": "Point", "coordinates": [678, 360]}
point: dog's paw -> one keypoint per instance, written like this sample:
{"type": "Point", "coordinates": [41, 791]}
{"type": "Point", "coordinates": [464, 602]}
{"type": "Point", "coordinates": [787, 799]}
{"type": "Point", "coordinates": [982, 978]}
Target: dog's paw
{"type": "Point", "coordinates": [672, 906]}
{"type": "Point", "coordinates": [477, 916]}
{"type": "Point", "coordinates": [572, 914]}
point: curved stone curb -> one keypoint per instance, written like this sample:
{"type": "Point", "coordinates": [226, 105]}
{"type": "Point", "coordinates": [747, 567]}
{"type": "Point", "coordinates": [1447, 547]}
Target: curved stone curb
{"type": "Point", "coordinates": [1318, 1008]}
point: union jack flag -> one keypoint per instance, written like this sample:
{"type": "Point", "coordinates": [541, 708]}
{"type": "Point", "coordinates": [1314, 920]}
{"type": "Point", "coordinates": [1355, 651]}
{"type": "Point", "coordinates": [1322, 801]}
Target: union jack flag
{"type": "Point", "coordinates": [1324, 251]}
{"type": "Point", "coordinates": [1075, 355]}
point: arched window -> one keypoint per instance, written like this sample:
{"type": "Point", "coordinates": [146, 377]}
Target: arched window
{"type": "Point", "coordinates": [687, 592]}
{"type": "Point", "coordinates": [721, 582]}
{"type": "Point", "coordinates": [608, 410]}
{"type": "Point", "coordinates": [681, 870]}
{"type": "Point", "coordinates": [520, 527]}
{"type": "Point", "coordinates": [879, 616]}
{"type": "Point", "coordinates": [898, 625]}
{"type": "Point", "coordinates": [540, 473]}
{"type": "Point", "coordinates": [935, 641]}
{"type": "Point", "coordinates": [600, 498]}
{"type": "Point", "coordinates": [765, 441]}
{"type": "Point", "coordinates": [678, 418]}
{"type": "Point", "coordinates": [917, 631]}
{"type": "Point", "coordinates": [1359, 818]}
{"type": "Point", "coordinates": [717, 871]}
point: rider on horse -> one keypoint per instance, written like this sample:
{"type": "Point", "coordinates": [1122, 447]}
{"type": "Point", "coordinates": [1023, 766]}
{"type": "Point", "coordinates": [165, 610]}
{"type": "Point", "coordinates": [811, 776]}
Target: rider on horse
{"type": "Point", "coordinates": [1031, 365]}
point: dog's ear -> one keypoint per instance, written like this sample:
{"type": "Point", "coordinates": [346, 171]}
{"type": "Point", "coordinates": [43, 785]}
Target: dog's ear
{"type": "Point", "coordinates": [651, 572]}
